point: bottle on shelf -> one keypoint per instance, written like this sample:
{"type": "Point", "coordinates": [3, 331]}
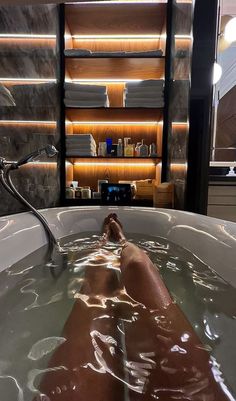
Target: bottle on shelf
{"type": "Point", "coordinates": [102, 149]}
{"type": "Point", "coordinates": [137, 150]}
{"type": "Point", "coordinates": [70, 192]}
{"type": "Point", "coordinates": [128, 148]}
{"type": "Point", "coordinates": [153, 150]}
{"type": "Point", "coordinates": [109, 146]}
{"type": "Point", "coordinates": [86, 193]}
{"type": "Point", "coordinates": [143, 149]}
{"type": "Point", "coordinates": [120, 148]}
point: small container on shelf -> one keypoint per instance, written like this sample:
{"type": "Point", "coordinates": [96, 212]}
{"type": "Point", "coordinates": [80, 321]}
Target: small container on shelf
{"type": "Point", "coordinates": [86, 193]}
{"type": "Point", "coordinates": [78, 194]}
{"type": "Point", "coordinates": [120, 152]}
{"type": "Point", "coordinates": [128, 148]}
{"type": "Point", "coordinates": [137, 149]}
{"type": "Point", "coordinates": [152, 150]}
{"type": "Point", "coordinates": [70, 192]}
{"type": "Point", "coordinates": [143, 149]}
{"type": "Point", "coordinates": [102, 149]}
{"type": "Point", "coordinates": [109, 146]}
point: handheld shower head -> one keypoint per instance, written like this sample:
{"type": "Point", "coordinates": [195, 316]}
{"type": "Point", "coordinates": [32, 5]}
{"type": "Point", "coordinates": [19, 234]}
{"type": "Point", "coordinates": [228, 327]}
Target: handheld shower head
{"type": "Point", "coordinates": [49, 150]}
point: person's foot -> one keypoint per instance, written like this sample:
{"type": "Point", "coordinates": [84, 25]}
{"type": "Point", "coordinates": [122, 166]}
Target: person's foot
{"type": "Point", "coordinates": [112, 229]}
{"type": "Point", "coordinates": [106, 229]}
{"type": "Point", "coordinates": [116, 231]}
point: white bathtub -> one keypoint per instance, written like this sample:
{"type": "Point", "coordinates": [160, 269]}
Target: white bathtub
{"type": "Point", "coordinates": [211, 240]}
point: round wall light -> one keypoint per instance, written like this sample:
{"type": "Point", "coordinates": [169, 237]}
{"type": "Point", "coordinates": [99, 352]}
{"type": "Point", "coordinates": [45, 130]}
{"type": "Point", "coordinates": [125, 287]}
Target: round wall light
{"type": "Point", "coordinates": [230, 31]}
{"type": "Point", "coordinates": [217, 73]}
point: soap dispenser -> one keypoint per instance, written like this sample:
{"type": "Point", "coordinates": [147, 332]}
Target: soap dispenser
{"type": "Point", "coordinates": [143, 149]}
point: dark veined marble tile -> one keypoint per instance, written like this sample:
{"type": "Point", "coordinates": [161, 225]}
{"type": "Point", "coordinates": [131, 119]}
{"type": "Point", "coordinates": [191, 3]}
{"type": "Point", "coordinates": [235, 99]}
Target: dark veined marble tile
{"type": "Point", "coordinates": [30, 19]}
{"type": "Point", "coordinates": [14, 147]}
{"type": "Point", "coordinates": [27, 66]}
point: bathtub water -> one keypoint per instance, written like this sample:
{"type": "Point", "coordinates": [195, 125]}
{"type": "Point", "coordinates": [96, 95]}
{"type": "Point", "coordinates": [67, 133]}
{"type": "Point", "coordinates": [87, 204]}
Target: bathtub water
{"type": "Point", "coordinates": [36, 301]}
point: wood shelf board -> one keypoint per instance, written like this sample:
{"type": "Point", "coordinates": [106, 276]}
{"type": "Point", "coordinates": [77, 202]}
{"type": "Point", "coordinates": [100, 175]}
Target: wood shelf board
{"type": "Point", "coordinates": [108, 19]}
{"type": "Point", "coordinates": [117, 45]}
{"type": "Point", "coordinates": [114, 57]}
{"type": "Point", "coordinates": [150, 133]}
{"type": "Point", "coordinates": [112, 159]}
{"type": "Point", "coordinates": [115, 68]}
{"type": "Point", "coordinates": [89, 174]}
{"type": "Point", "coordinates": [115, 114]}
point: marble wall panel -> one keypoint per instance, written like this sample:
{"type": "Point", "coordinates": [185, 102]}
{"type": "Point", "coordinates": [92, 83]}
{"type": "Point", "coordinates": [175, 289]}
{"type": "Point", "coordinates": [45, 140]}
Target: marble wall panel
{"type": "Point", "coordinates": [179, 100]}
{"type": "Point", "coordinates": [24, 127]}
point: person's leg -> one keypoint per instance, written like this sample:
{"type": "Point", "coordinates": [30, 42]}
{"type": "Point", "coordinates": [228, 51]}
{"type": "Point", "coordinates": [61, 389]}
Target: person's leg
{"type": "Point", "coordinates": [150, 289]}
{"type": "Point", "coordinates": [181, 367]}
{"type": "Point", "coordinates": [88, 365]}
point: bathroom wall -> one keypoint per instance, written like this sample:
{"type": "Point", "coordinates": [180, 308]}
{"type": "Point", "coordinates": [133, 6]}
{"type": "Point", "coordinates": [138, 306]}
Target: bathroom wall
{"type": "Point", "coordinates": [179, 98]}
{"type": "Point", "coordinates": [28, 68]}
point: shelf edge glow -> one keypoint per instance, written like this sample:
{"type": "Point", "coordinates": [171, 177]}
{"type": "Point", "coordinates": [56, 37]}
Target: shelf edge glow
{"type": "Point", "coordinates": [113, 164]}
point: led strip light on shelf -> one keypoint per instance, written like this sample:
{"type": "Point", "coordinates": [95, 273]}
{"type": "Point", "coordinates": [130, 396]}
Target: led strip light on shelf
{"type": "Point", "coordinates": [27, 122]}
{"type": "Point", "coordinates": [107, 80]}
{"type": "Point", "coordinates": [119, 2]}
{"type": "Point", "coordinates": [116, 37]}
{"type": "Point", "coordinates": [107, 164]}
{"type": "Point", "coordinates": [120, 37]}
{"type": "Point", "coordinates": [25, 36]}
{"type": "Point", "coordinates": [29, 80]}
{"type": "Point", "coordinates": [150, 123]}
{"type": "Point", "coordinates": [54, 123]}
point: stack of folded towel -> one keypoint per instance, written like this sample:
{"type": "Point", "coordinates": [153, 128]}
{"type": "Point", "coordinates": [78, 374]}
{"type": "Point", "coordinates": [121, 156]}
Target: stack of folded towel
{"type": "Point", "coordinates": [79, 95]}
{"type": "Point", "coordinates": [80, 145]}
{"type": "Point", "coordinates": [89, 53]}
{"type": "Point", "coordinates": [148, 93]}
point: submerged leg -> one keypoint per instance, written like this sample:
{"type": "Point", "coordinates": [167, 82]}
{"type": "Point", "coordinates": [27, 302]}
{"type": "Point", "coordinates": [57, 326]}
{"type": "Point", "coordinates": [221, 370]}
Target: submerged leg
{"type": "Point", "coordinates": [88, 365]}
{"type": "Point", "coordinates": [182, 368]}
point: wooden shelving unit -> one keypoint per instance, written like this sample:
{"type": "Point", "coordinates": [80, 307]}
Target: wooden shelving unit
{"type": "Point", "coordinates": [112, 27]}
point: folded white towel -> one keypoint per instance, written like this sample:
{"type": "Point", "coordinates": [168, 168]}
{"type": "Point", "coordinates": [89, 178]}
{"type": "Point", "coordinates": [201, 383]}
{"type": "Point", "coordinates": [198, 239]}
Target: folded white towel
{"type": "Point", "coordinates": [147, 83]}
{"type": "Point", "coordinates": [77, 52]}
{"type": "Point", "coordinates": [89, 53]}
{"type": "Point", "coordinates": [144, 91]}
{"type": "Point", "coordinates": [75, 143]}
{"type": "Point", "coordinates": [151, 104]}
{"type": "Point", "coordinates": [80, 137]}
{"type": "Point", "coordinates": [78, 153]}
{"type": "Point", "coordinates": [6, 98]}
{"type": "Point", "coordinates": [85, 103]}
{"type": "Point", "coordinates": [141, 96]}
{"type": "Point", "coordinates": [79, 95]}
{"type": "Point", "coordinates": [81, 147]}
{"type": "Point", "coordinates": [83, 87]}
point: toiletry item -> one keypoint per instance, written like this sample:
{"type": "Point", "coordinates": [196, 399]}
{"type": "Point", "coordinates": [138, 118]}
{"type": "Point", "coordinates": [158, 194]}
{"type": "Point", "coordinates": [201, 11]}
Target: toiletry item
{"type": "Point", "coordinates": [231, 172]}
{"type": "Point", "coordinates": [86, 193]}
{"type": "Point", "coordinates": [137, 150]}
{"type": "Point", "coordinates": [109, 146]}
{"type": "Point", "coordinates": [143, 149]}
{"type": "Point", "coordinates": [120, 148]}
{"type": "Point", "coordinates": [74, 184]}
{"type": "Point", "coordinates": [128, 148]}
{"type": "Point", "coordinates": [152, 150]}
{"type": "Point", "coordinates": [78, 193]}
{"type": "Point", "coordinates": [100, 182]}
{"type": "Point", "coordinates": [70, 193]}
{"type": "Point", "coordinates": [102, 149]}
{"type": "Point", "coordinates": [96, 195]}
{"type": "Point", "coordinates": [114, 150]}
